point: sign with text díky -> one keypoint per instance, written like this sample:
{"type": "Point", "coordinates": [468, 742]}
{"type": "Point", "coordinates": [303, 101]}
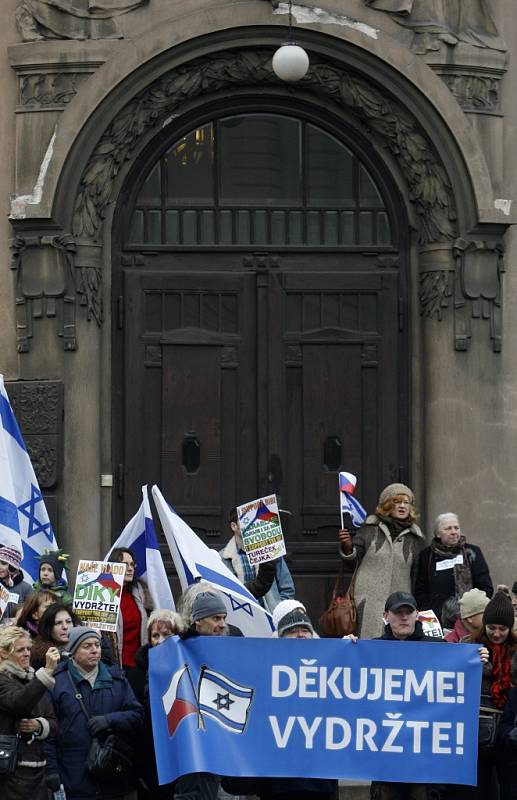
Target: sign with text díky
{"type": "Point", "coordinates": [259, 523]}
{"type": "Point", "coordinates": [316, 708]}
{"type": "Point", "coordinates": [98, 590]}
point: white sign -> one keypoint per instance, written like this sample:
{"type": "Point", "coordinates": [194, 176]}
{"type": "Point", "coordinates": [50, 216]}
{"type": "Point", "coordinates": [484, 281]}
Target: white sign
{"type": "Point", "coordinates": [259, 523]}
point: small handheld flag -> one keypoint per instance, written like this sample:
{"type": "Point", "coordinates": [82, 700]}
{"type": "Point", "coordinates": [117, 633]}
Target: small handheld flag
{"type": "Point", "coordinates": [348, 504]}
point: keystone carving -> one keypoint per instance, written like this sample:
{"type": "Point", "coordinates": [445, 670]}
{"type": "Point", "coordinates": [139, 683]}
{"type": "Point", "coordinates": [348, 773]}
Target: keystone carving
{"type": "Point", "coordinates": [381, 116]}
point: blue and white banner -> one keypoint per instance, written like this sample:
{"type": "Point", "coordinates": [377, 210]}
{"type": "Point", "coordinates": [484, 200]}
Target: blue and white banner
{"type": "Point", "coordinates": [316, 708]}
{"type": "Point", "coordinates": [139, 536]}
{"type": "Point", "coordinates": [24, 521]}
{"type": "Point", "coordinates": [195, 561]}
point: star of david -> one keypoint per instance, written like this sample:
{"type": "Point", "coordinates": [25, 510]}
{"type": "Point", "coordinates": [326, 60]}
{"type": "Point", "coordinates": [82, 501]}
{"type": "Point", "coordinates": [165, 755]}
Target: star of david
{"type": "Point", "coordinates": [236, 606]}
{"type": "Point", "coordinates": [28, 510]}
{"type": "Point", "coordinates": [223, 701]}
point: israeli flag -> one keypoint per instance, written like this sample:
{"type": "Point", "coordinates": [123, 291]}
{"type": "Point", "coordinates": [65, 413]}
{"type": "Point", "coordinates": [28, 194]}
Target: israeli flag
{"type": "Point", "coordinates": [195, 561]}
{"type": "Point", "coordinates": [350, 505]}
{"type": "Point", "coordinates": [224, 700]}
{"type": "Point", "coordinates": [139, 535]}
{"type": "Point", "coordinates": [24, 521]}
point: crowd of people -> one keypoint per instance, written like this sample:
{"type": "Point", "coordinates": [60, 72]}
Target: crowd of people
{"type": "Point", "coordinates": [69, 692]}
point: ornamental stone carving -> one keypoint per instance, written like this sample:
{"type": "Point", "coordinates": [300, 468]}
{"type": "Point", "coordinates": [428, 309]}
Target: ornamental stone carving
{"type": "Point", "coordinates": [50, 272]}
{"type": "Point", "coordinates": [38, 406]}
{"type": "Point", "coordinates": [438, 22]}
{"type": "Point", "coordinates": [49, 90]}
{"type": "Point", "coordinates": [71, 19]}
{"type": "Point", "coordinates": [381, 115]}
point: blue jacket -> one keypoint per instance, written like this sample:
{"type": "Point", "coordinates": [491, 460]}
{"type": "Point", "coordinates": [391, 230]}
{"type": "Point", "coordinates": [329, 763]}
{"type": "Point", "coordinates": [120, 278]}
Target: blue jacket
{"type": "Point", "coordinates": [111, 697]}
{"type": "Point", "coordinates": [282, 587]}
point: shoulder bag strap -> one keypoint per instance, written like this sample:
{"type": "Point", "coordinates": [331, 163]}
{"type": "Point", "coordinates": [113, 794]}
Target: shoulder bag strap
{"type": "Point", "coordinates": [78, 696]}
{"type": "Point", "coordinates": [338, 583]}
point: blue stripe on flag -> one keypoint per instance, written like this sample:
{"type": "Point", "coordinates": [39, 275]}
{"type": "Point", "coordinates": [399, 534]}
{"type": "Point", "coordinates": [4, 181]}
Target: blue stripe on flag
{"type": "Point", "coordinates": [228, 687]}
{"type": "Point", "coordinates": [150, 535]}
{"type": "Point", "coordinates": [188, 575]}
{"type": "Point", "coordinates": [224, 583]}
{"type": "Point", "coordinates": [226, 721]}
{"type": "Point", "coordinates": [31, 561]}
{"type": "Point", "coordinates": [9, 514]}
{"type": "Point", "coordinates": [9, 421]}
{"type": "Point", "coordinates": [138, 548]}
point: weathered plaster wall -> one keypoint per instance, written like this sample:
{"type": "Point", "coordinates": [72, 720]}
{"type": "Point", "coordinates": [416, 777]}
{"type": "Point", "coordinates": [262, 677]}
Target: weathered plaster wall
{"type": "Point", "coordinates": [8, 36]}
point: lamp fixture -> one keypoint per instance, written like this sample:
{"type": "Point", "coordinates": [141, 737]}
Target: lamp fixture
{"type": "Point", "coordinates": [290, 61]}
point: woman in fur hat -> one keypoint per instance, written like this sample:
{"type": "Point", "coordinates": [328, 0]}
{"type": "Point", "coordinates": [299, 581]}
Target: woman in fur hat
{"type": "Point", "coordinates": [385, 550]}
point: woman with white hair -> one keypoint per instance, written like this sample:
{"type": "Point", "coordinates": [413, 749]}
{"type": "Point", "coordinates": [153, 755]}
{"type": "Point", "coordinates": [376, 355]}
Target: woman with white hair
{"type": "Point", "coordinates": [449, 567]}
{"type": "Point", "coordinates": [25, 710]}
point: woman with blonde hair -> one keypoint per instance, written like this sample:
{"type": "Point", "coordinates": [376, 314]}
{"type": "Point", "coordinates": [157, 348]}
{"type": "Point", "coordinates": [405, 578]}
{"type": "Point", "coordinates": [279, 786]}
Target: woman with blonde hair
{"type": "Point", "coordinates": [26, 710]}
{"type": "Point", "coordinates": [385, 550]}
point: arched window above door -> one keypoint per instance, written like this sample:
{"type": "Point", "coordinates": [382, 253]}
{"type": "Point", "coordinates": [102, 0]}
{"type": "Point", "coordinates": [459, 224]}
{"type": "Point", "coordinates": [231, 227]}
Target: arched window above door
{"type": "Point", "coordinates": [259, 180]}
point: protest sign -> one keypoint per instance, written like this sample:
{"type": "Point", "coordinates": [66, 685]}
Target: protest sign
{"type": "Point", "coordinates": [430, 624]}
{"type": "Point", "coordinates": [98, 589]}
{"type": "Point", "coordinates": [5, 598]}
{"type": "Point", "coordinates": [259, 523]}
{"type": "Point", "coordinates": [321, 708]}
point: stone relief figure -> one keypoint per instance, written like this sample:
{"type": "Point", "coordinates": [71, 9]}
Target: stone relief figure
{"type": "Point", "coordinates": [71, 19]}
{"type": "Point", "coordinates": [434, 22]}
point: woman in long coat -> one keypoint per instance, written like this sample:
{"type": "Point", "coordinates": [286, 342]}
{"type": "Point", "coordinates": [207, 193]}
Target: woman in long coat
{"type": "Point", "coordinates": [385, 549]}
{"type": "Point", "coordinates": [26, 709]}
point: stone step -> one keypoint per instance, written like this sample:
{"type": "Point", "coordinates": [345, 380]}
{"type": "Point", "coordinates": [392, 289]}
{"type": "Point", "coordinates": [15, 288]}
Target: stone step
{"type": "Point", "coordinates": [354, 790]}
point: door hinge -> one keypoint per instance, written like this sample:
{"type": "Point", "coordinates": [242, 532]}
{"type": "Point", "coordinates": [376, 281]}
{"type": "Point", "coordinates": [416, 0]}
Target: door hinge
{"type": "Point", "coordinates": [120, 312]}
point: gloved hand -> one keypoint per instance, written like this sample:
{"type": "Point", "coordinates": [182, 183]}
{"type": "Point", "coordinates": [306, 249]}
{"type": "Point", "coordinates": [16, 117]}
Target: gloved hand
{"type": "Point", "coordinates": [97, 725]}
{"type": "Point", "coordinates": [512, 736]}
{"type": "Point", "coordinates": [53, 782]}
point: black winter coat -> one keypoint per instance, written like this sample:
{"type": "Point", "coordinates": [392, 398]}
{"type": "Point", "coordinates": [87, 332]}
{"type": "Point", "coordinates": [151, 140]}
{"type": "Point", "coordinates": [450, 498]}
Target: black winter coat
{"type": "Point", "coordinates": [27, 699]}
{"type": "Point", "coordinates": [112, 698]}
{"type": "Point", "coordinates": [433, 587]}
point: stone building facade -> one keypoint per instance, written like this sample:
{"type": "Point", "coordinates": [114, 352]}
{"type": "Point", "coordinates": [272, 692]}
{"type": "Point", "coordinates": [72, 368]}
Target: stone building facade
{"type": "Point", "coordinates": [231, 285]}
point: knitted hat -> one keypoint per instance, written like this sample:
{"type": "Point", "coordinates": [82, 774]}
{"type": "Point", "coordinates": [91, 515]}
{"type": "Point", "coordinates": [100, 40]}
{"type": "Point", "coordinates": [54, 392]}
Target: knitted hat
{"type": "Point", "coordinates": [79, 635]}
{"type": "Point", "coordinates": [11, 556]}
{"type": "Point", "coordinates": [208, 604]}
{"type": "Point", "coordinates": [514, 587]}
{"type": "Point", "coordinates": [395, 489]}
{"type": "Point", "coordinates": [473, 602]}
{"type": "Point", "coordinates": [499, 611]}
{"type": "Point", "coordinates": [283, 608]}
{"type": "Point", "coordinates": [56, 559]}
{"type": "Point", "coordinates": [294, 619]}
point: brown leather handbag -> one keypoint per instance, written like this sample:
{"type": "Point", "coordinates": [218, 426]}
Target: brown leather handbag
{"type": "Point", "coordinates": [340, 618]}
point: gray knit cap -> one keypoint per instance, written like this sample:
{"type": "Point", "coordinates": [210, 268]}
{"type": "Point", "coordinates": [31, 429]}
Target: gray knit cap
{"type": "Point", "coordinates": [208, 604]}
{"type": "Point", "coordinates": [395, 489]}
{"type": "Point", "coordinates": [473, 602]}
{"type": "Point", "coordinates": [78, 635]}
{"type": "Point", "coordinates": [294, 619]}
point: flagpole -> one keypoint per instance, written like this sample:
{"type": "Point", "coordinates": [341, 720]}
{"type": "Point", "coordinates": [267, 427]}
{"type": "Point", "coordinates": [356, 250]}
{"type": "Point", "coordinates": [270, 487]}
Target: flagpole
{"type": "Point", "coordinates": [340, 505]}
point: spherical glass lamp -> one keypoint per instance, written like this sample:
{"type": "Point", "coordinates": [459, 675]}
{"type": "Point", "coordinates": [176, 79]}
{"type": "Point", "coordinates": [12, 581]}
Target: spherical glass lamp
{"type": "Point", "coordinates": [290, 62]}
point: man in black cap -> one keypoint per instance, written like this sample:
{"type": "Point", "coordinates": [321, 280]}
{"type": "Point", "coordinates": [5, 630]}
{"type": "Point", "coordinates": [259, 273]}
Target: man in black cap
{"type": "Point", "coordinates": [400, 616]}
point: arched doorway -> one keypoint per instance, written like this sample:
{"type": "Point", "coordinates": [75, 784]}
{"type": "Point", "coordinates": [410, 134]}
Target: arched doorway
{"type": "Point", "coordinates": [260, 344]}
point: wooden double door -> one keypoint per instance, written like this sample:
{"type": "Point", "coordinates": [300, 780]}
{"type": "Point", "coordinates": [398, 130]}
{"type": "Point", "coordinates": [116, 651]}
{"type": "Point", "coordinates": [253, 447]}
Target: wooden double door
{"type": "Point", "coordinates": [252, 373]}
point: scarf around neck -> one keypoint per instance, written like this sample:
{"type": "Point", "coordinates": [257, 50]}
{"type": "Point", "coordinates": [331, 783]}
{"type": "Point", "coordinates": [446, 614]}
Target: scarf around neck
{"type": "Point", "coordinates": [395, 526]}
{"type": "Point", "coordinates": [462, 572]}
{"type": "Point", "coordinates": [15, 670]}
{"type": "Point", "coordinates": [501, 674]}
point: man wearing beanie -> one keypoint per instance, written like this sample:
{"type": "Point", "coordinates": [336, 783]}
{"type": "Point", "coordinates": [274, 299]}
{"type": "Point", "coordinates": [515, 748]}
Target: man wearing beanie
{"type": "Point", "coordinates": [109, 707]}
{"type": "Point", "coordinates": [449, 567]}
{"type": "Point", "coordinates": [11, 578]}
{"type": "Point", "coordinates": [385, 552]}
{"type": "Point", "coordinates": [295, 625]}
{"type": "Point", "coordinates": [209, 614]}
{"type": "Point", "coordinates": [470, 622]}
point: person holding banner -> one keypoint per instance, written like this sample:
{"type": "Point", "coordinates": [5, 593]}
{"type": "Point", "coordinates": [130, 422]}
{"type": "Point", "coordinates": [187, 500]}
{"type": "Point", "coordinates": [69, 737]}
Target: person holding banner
{"type": "Point", "coordinates": [107, 705]}
{"type": "Point", "coordinates": [385, 552]}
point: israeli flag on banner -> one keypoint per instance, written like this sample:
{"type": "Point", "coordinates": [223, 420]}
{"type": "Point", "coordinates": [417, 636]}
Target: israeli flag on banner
{"type": "Point", "coordinates": [224, 700]}
{"type": "Point", "coordinates": [195, 561]}
{"type": "Point", "coordinates": [24, 521]}
{"type": "Point", "coordinates": [139, 535]}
